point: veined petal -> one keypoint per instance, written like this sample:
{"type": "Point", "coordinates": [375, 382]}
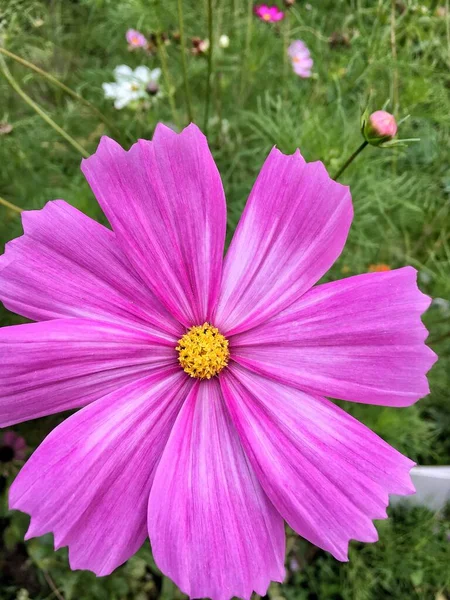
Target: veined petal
{"type": "Point", "coordinates": [212, 529]}
{"type": "Point", "coordinates": [292, 230]}
{"type": "Point", "coordinates": [327, 474]}
{"type": "Point", "coordinates": [63, 364]}
{"type": "Point", "coordinates": [89, 481]}
{"type": "Point", "coordinates": [165, 202]}
{"type": "Point", "coordinates": [68, 265]}
{"type": "Point", "coordinates": [110, 89]}
{"type": "Point", "coordinates": [155, 74]}
{"type": "Point", "coordinates": [358, 339]}
{"type": "Point", "coordinates": [123, 73]}
{"type": "Point", "coordinates": [124, 98]}
{"type": "Point", "coordinates": [142, 74]}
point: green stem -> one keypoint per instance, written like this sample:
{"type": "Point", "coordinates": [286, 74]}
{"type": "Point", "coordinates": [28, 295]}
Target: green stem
{"type": "Point", "coordinates": [285, 54]}
{"type": "Point", "coordinates": [61, 85]}
{"type": "Point", "coordinates": [349, 160]}
{"type": "Point", "coordinates": [246, 53]}
{"type": "Point", "coordinates": [163, 59]}
{"type": "Point", "coordinates": [10, 205]}
{"type": "Point", "coordinates": [184, 61]}
{"type": "Point", "coordinates": [447, 21]}
{"type": "Point", "coordinates": [13, 83]}
{"type": "Point", "coordinates": [210, 66]}
{"type": "Point", "coordinates": [52, 585]}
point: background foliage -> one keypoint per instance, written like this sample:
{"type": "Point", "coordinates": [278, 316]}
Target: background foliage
{"type": "Point", "coordinates": [365, 52]}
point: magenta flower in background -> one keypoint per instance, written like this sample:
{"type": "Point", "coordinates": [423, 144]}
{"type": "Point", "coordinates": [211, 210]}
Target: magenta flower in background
{"type": "Point", "coordinates": [136, 39]}
{"type": "Point", "coordinates": [202, 380]}
{"type": "Point", "coordinates": [271, 14]}
{"type": "Point", "coordinates": [301, 58]}
{"type": "Point", "coordinates": [12, 447]}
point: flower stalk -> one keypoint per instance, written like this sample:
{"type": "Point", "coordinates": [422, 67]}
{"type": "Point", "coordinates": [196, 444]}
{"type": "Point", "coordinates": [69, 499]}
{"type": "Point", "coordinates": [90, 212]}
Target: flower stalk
{"type": "Point", "coordinates": [10, 205]}
{"type": "Point", "coordinates": [165, 70]}
{"type": "Point", "coordinates": [13, 83]}
{"type": "Point", "coordinates": [350, 159]}
{"type": "Point", "coordinates": [210, 66]}
{"type": "Point", "coordinates": [184, 62]}
{"type": "Point", "coordinates": [62, 86]}
{"type": "Point", "coordinates": [246, 53]}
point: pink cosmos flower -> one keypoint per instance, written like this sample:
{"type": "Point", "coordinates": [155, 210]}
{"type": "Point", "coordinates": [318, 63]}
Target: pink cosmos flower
{"type": "Point", "coordinates": [202, 380]}
{"type": "Point", "coordinates": [301, 58]}
{"type": "Point", "coordinates": [136, 39]}
{"type": "Point", "coordinates": [271, 14]}
{"type": "Point", "coordinates": [12, 447]}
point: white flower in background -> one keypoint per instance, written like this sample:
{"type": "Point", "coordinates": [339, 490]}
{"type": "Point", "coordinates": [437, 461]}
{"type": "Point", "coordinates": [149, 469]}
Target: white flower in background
{"type": "Point", "coordinates": [224, 41]}
{"type": "Point", "coordinates": [132, 86]}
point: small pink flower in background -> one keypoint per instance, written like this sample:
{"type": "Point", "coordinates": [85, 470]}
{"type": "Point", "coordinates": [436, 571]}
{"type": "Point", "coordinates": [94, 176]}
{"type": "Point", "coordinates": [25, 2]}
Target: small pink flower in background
{"type": "Point", "coordinates": [271, 14]}
{"type": "Point", "coordinates": [202, 380]}
{"type": "Point", "coordinates": [301, 58]}
{"type": "Point", "coordinates": [382, 124]}
{"type": "Point", "coordinates": [136, 39]}
{"type": "Point", "coordinates": [12, 447]}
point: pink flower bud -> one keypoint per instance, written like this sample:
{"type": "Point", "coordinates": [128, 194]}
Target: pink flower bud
{"type": "Point", "coordinates": [380, 127]}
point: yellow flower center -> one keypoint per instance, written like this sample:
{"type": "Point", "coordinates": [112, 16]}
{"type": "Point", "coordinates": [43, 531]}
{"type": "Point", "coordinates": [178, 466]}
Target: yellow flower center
{"type": "Point", "coordinates": [266, 16]}
{"type": "Point", "coordinates": [203, 351]}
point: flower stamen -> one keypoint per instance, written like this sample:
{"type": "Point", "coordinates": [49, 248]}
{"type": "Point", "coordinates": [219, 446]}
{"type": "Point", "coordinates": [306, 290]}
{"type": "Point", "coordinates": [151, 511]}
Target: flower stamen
{"type": "Point", "coordinates": [203, 351]}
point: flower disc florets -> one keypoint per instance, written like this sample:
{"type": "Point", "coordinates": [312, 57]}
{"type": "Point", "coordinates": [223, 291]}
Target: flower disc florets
{"type": "Point", "coordinates": [203, 351]}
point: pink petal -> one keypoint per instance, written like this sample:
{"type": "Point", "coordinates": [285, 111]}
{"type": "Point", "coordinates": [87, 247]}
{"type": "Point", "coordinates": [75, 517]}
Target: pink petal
{"type": "Point", "coordinates": [277, 15]}
{"type": "Point", "coordinates": [58, 365]}
{"type": "Point", "coordinates": [303, 66]}
{"type": "Point", "coordinates": [90, 479]}
{"type": "Point", "coordinates": [262, 9]}
{"type": "Point", "coordinates": [292, 230]}
{"type": "Point", "coordinates": [212, 529]}
{"type": "Point", "coordinates": [305, 73]}
{"type": "Point", "coordinates": [358, 339]}
{"type": "Point", "coordinates": [297, 47]}
{"type": "Point", "coordinates": [165, 202]}
{"type": "Point", "coordinates": [326, 473]}
{"type": "Point", "coordinates": [67, 265]}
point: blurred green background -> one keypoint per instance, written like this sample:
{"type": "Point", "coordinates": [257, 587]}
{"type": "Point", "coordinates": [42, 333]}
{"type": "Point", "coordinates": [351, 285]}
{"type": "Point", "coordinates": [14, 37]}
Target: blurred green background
{"type": "Point", "coordinates": [366, 53]}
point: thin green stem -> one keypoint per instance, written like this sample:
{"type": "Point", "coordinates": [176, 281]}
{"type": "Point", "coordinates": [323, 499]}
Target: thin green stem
{"type": "Point", "coordinates": [52, 585]}
{"type": "Point", "coordinates": [210, 66]}
{"type": "Point", "coordinates": [447, 21]}
{"type": "Point", "coordinates": [395, 95]}
{"type": "Point", "coordinates": [246, 53]}
{"type": "Point", "coordinates": [184, 61]}
{"type": "Point", "coordinates": [350, 159]}
{"type": "Point", "coordinates": [285, 53]}
{"type": "Point", "coordinates": [61, 85]}
{"type": "Point", "coordinates": [165, 69]}
{"type": "Point", "coordinates": [10, 205]}
{"type": "Point", "coordinates": [13, 83]}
